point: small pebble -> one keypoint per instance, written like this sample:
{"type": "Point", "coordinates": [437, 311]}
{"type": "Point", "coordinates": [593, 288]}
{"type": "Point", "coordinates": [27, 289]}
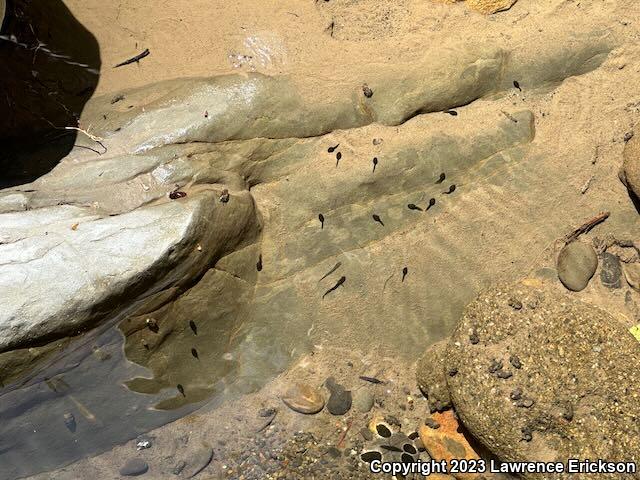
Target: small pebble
{"type": "Point", "coordinates": [515, 362]}
{"type": "Point", "coordinates": [516, 394]}
{"type": "Point", "coordinates": [474, 339]}
{"type": "Point", "coordinates": [495, 366]}
{"type": "Point", "coordinates": [527, 434]}
{"type": "Point", "coordinates": [431, 423]}
{"type": "Point", "coordinates": [504, 374]}
{"type": "Point", "coordinates": [515, 304]}
{"type": "Point", "coordinates": [177, 469]}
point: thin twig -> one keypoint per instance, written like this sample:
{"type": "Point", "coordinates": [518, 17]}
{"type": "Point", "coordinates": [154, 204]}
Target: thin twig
{"type": "Point", "coordinates": [586, 226]}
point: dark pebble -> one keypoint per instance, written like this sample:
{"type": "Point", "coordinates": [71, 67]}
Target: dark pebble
{"type": "Point", "coordinates": [391, 420]}
{"type": "Point", "coordinates": [516, 394]}
{"type": "Point", "coordinates": [177, 470]}
{"type": "Point", "coordinates": [453, 372]}
{"type": "Point", "coordinates": [339, 401]}
{"type": "Point", "coordinates": [267, 412]}
{"type": "Point", "coordinates": [568, 413]}
{"type": "Point", "coordinates": [431, 423]}
{"type": "Point", "coordinates": [366, 433]}
{"type": "Point", "coordinates": [611, 272]}
{"type": "Point", "coordinates": [504, 374]}
{"type": "Point", "coordinates": [515, 304]}
{"type": "Point", "coordinates": [474, 339]}
{"type": "Point", "coordinates": [333, 452]}
{"type": "Point", "coordinates": [495, 366]}
{"type": "Point", "coordinates": [515, 362]}
{"type": "Point", "coordinates": [527, 434]}
{"type": "Point", "coordinates": [134, 468]}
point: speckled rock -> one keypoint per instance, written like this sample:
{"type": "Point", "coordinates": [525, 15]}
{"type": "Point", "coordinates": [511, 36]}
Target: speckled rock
{"type": "Point", "coordinates": [431, 376]}
{"type": "Point", "coordinates": [577, 263]}
{"type": "Point", "coordinates": [611, 271]}
{"type": "Point", "coordinates": [578, 378]}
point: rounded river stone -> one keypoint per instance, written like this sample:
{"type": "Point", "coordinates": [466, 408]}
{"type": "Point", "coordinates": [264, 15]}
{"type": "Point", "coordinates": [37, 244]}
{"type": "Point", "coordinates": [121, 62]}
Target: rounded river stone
{"type": "Point", "coordinates": [134, 468]}
{"type": "Point", "coordinates": [579, 374]}
{"type": "Point", "coordinates": [577, 263]}
{"type": "Point", "coordinates": [304, 399]}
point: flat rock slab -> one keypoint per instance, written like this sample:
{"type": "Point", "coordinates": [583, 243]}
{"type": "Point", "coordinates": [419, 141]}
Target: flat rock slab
{"type": "Point", "coordinates": [550, 380]}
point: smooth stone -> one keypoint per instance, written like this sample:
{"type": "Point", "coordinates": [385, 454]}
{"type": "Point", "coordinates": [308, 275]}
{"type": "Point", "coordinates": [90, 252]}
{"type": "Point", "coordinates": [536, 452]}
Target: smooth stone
{"type": "Point", "coordinates": [611, 271]}
{"type": "Point", "coordinates": [304, 399]}
{"type": "Point", "coordinates": [632, 274]}
{"type": "Point", "coordinates": [577, 263]}
{"type": "Point", "coordinates": [198, 461]}
{"type": "Point", "coordinates": [363, 400]}
{"type": "Point", "coordinates": [134, 468]}
{"type": "Point", "coordinates": [340, 401]}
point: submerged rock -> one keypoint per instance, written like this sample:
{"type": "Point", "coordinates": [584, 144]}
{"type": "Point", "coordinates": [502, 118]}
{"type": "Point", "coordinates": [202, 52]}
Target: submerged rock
{"type": "Point", "coordinates": [431, 375]}
{"type": "Point", "coordinates": [363, 400]}
{"type": "Point", "coordinates": [578, 378]}
{"type": "Point", "coordinates": [340, 399]}
{"type": "Point", "coordinates": [134, 468]}
{"type": "Point", "coordinates": [304, 399]}
{"type": "Point", "coordinates": [577, 263]}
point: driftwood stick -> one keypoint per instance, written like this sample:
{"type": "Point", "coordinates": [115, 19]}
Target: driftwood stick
{"type": "Point", "coordinates": [586, 226]}
{"type": "Point", "coordinates": [135, 59]}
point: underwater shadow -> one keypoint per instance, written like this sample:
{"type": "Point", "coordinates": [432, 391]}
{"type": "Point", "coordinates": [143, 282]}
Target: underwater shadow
{"type": "Point", "coordinates": [49, 68]}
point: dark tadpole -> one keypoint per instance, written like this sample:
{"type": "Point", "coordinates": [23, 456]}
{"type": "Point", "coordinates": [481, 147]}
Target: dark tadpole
{"type": "Point", "coordinates": [194, 327]}
{"type": "Point", "coordinates": [453, 113]}
{"type": "Point", "coordinates": [432, 202]}
{"type": "Point", "coordinates": [321, 218]}
{"type": "Point", "coordinates": [332, 149]}
{"type": "Point", "coordinates": [259, 264]}
{"type": "Point", "coordinates": [181, 390]}
{"type": "Point", "coordinates": [338, 283]}
{"type": "Point", "coordinates": [517, 85]}
{"type": "Point", "coordinates": [405, 270]}
{"type": "Point", "coordinates": [377, 219]}
{"type": "Point", "coordinates": [413, 206]}
{"type": "Point", "coordinates": [338, 157]}
{"type": "Point", "coordinates": [375, 164]}
{"type": "Point", "coordinates": [452, 189]}
{"type": "Point", "coordinates": [194, 352]}
{"type": "Point", "coordinates": [441, 178]}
